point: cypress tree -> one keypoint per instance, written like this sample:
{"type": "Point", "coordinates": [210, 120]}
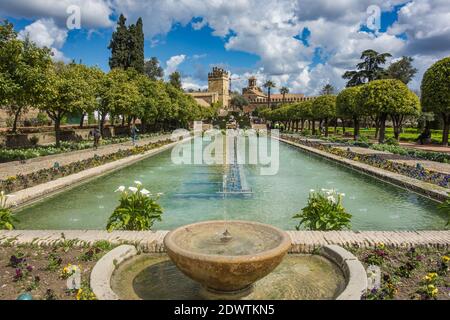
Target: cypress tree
{"type": "Point", "coordinates": [136, 35]}
{"type": "Point", "coordinates": [119, 45]}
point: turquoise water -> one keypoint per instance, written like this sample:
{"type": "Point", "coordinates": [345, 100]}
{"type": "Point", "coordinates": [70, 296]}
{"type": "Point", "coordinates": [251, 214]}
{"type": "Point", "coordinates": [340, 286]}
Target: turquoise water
{"type": "Point", "coordinates": [190, 195]}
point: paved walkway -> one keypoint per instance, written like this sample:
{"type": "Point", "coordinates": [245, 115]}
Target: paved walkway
{"type": "Point", "coordinates": [303, 241]}
{"type": "Point", "coordinates": [428, 147]}
{"type": "Point", "coordinates": [13, 168]}
{"type": "Point", "coordinates": [428, 165]}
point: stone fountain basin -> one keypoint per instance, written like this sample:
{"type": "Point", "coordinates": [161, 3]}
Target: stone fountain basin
{"type": "Point", "coordinates": [255, 251]}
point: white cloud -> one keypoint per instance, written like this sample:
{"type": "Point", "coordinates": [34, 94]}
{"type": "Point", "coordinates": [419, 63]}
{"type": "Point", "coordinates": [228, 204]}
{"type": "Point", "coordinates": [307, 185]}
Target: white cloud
{"type": "Point", "coordinates": [173, 63]}
{"type": "Point", "coordinates": [190, 83]}
{"type": "Point", "coordinates": [94, 13]}
{"type": "Point", "coordinates": [45, 33]}
{"type": "Point", "coordinates": [267, 29]}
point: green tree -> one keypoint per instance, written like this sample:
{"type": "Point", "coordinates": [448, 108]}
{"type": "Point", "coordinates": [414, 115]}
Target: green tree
{"type": "Point", "coordinates": [136, 46]}
{"type": "Point", "coordinates": [175, 80]}
{"type": "Point", "coordinates": [153, 70]}
{"type": "Point", "coordinates": [324, 108]}
{"type": "Point", "coordinates": [389, 98]}
{"type": "Point", "coordinates": [348, 106]}
{"type": "Point", "coordinates": [239, 101]}
{"type": "Point", "coordinates": [436, 93]}
{"type": "Point", "coordinates": [119, 45]}
{"type": "Point", "coordinates": [91, 80]}
{"type": "Point", "coordinates": [368, 70]}
{"type": "Point", "coordinates": [122, 95]}
{"type": "Point", "coordinates": [269, 85]}
{"type": "Point", "coordinates": [402, 70]}
{"type": "Point", "coordinates": [284, 91]}
{"type": "Point", "coordinates": [63, 94]}
{"type": "Point", "coordinates": [21, 65]}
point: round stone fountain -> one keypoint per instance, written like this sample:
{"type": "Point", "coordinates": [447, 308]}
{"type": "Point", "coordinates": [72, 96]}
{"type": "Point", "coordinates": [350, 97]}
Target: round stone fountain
{"type": "Point", "coordinates": [227, 257]}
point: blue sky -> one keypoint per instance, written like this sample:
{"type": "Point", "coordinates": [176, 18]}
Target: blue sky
{"type": "Point", "coordinates": [303, 45]}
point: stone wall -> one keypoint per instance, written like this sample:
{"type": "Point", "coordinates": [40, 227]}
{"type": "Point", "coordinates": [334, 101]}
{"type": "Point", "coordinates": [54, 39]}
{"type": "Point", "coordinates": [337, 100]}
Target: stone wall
{"type": "Point", "coordinates": [5, 117]}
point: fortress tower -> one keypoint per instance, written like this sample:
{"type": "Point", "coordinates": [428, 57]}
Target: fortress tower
{"type": "Point", "coordinates": [219, 81]}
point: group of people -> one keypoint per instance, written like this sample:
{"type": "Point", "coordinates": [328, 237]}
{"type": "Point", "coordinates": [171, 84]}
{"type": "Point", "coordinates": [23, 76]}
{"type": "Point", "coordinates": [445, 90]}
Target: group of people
{"type": "Point", "coordinates": [95, 133]}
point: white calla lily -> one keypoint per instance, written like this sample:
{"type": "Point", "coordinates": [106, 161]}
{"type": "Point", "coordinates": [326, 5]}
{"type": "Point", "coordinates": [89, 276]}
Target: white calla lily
{"type": "Point", "coordinates": [133, 189]}
{"type": "Point", "coordinates": [120, 189]}
{"type": "Point", "coordinates": [138, 183]}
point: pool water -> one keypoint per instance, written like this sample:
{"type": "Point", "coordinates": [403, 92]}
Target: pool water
{"type": "Point", "coordinates": [191, 195]}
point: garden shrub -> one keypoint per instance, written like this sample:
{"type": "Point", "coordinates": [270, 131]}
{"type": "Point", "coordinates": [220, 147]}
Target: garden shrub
{"type": "Point", "coordinates": [138, 210]}
{"type": "Point", "coordinates": [7, 219]}
{"type": "Point", "coordinates": [324, 212]}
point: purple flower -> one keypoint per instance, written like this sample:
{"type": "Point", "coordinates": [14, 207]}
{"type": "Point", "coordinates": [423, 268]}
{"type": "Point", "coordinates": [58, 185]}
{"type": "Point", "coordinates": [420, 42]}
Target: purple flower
{"type": "Point", "coordinates": [18, 275]}
{"type": "Point", "coordinates": [29, 268]}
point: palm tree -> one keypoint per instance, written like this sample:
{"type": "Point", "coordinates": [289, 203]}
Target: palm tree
{"type": "Point", "coordinates": [269, 85]}
{"type": "Point", "coordinates": [327, 90]}
{"type": "Point", "coordinates": [284, 91]}
{"type": "Point", "coordinates": [368, 70]}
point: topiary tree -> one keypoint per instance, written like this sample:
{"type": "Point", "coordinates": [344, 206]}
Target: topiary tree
{"type": "Point", "coordinates": [436, 93]}
{"type": "Point", "coordinates": [389, 97]}
{"type": "Point", "coordinates": [324, 108]}
{"type": "Point", "coordinates": [348, 105]}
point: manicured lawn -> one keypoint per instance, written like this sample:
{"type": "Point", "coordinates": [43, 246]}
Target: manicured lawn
{"type": "Point", "coordinates": [408, 135]}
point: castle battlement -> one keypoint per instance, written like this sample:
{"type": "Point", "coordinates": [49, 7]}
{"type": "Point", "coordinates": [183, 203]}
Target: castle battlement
{"type": "Point", "coordinates": [218, 73]}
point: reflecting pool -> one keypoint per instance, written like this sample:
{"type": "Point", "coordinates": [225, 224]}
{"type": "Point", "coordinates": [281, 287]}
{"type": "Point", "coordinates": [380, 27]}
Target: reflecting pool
{"type": "Point", "coordinates": [192, 193]}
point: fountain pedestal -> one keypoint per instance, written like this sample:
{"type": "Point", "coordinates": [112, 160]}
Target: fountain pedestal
{"type": "Point", "coordinates": [227, 257]}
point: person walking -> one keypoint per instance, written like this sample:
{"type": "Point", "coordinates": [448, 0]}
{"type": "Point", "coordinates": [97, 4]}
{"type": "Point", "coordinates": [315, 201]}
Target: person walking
{"type": "Point", "coordinates": [95, 133]}
{"type": "Point", "coordinates": [134, 134]}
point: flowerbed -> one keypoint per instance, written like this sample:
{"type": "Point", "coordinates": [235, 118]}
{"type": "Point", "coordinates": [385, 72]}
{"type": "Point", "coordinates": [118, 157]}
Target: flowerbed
{"type": "Point", "coordinates": [7, 155]}
{"type": "Point", "coordinates": [408, 273]}
{"type": "Point", "coordinates": [42, 272]}
{"type": "Point", "coordinates": [19, 182]}
{"type": "Point", "coordinates": [419, 273]}
{"type": "Point", "coordinates": [417, 172]}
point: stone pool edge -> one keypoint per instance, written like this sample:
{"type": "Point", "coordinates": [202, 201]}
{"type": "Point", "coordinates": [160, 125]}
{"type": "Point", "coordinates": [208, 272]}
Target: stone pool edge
{"type": "Point", "coordinates": [302, 241]}
{"type": "Point", "coordinates": [429, 190]}
{"type": "Point", "coordinates": [26, 197]}
{"type": "Point", "coordinates": [354, 272]}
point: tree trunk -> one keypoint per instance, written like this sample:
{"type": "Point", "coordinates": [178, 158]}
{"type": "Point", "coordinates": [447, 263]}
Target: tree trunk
{"type": "Point", "coordinates": [335, 126]}
{"type": "Point", "coordinates": [446, 129]}
{"type": "Point", "coordinates": [16, 118]}
{"type": "Point", "coordinates": [313, 127]}
{"type": "Point", "coordinates": [397, 120]}
{"type": "Point", "coordinates": [57, 121]}
{"type": "Point", "coordinates": [356, 128]}
{"type": "Point", "coordinates": [326, 127]}
{"type": "Point", "coordinates": [382, 131]}
{"type": "Point", "coordinates": [377, 127]}
{"type": "Point", "coordinates": [82, 120]}
{"type": "Point", "coordinates": [102, 124]}
{"type": "Point", "coordinates": [343, 126]}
